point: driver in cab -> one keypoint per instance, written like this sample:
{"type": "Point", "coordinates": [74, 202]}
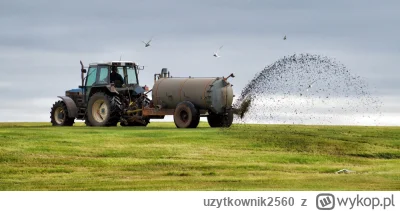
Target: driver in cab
{"type": "Point", "coordinates": [115, 77]}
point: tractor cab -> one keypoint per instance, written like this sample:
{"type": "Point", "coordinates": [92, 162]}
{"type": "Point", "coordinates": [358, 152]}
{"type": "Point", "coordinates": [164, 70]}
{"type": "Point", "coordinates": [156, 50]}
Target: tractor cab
{"type": "Point", "coordinates": [118, 73]}
{"type": "Point", "coordinates": [115, 76]}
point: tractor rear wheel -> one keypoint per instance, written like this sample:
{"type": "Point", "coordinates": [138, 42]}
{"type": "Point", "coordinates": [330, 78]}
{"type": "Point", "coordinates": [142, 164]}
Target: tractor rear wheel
{"type": "Point", "coordinates": [59, 115]}
{"type": "Point", "coordinates": [218, 120]}
{"type": "Point", "coordinates": [186, 115]}
{"type": "Point", "coordinates": [103, 110]}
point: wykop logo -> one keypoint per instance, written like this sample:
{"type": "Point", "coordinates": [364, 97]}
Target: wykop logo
{"type": "Point", "coordinates": [325, 201]}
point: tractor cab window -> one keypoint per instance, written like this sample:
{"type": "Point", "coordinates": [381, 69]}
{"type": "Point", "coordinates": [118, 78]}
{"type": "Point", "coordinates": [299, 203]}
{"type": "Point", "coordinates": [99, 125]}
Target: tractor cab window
{"type": "Point", "coordinates": [130, 76]}
{"type": "Point", "coordinates": [103, 75]}
{"type": "Point", "coordinates": [91, 76]}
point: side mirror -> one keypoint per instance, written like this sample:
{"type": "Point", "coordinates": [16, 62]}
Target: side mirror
{"type": "Point", "coordinates": [83, 70]}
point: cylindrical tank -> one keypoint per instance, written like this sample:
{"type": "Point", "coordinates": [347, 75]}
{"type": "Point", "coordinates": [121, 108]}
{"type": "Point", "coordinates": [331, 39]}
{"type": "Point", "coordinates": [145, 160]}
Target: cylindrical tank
{"type": "Point", "coordinates": [213, 94]}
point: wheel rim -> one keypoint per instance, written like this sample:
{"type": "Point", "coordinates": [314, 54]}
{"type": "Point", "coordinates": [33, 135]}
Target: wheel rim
{"type": "Point", "coordinates": [184, 116]}
{"type": "Point", "coordinates": [99, 111]}
{"type": "Point", "coordinates": [59, 115]}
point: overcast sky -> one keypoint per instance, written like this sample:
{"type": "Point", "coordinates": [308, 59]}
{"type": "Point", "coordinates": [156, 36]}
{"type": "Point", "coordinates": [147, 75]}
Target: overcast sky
{"type": "Point", "coordinates": [42, 41]}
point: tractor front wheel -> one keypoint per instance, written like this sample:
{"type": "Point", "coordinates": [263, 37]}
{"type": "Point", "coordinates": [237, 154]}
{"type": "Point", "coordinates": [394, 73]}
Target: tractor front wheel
{"type": "Point", "coordinates": [103, 110]}
{"type": "Point", "coordinates": [59, 115]}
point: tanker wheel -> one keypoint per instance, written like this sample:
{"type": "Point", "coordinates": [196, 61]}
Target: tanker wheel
{"type": "Point", "coordinates": [196, 120]}
{"type": "Point", "coordinates": [103, 110]}
{"type": "Point", "coordinates": [59, 115]}
{"type": "Point", "coordinates": [186, 115]}
{"type": "Point", "coordinates": [218, 120]}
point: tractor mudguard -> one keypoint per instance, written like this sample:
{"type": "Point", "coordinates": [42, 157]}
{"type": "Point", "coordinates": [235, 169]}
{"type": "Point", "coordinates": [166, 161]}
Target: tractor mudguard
{"type": "Point", "coordinates": [112, 89]}
{"type": "Point", "coordinates": [71, 106]}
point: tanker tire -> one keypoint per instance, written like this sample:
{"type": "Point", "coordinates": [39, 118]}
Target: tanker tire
{"type": "Point", "coordinates": [59, 115]}
{"type": "Point", "coordinates": [196, 120]}
{"type": "Point", "coordinates": [215, 120]}
{"type": "Point", "coordinates": [103, 110]}
{"type": "Point", "coordinates": [186, 115]}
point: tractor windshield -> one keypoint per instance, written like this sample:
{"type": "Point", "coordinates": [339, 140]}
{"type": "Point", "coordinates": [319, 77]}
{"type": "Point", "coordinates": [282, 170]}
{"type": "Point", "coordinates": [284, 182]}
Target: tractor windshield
{"type": "Point", "coordinates": [130, 76]}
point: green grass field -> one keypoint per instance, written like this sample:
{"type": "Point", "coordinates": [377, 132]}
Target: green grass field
{"type": "Point", "coordinates": [37, 156]}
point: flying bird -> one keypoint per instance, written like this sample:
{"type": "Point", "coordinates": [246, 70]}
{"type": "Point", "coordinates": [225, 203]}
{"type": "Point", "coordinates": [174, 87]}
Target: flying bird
{"type": "Point", "coordinates": [216, 53]}
{"type": "Point", "coordinates": [284, 38]}
{"type": "Point", "coordinates": [147, 44]}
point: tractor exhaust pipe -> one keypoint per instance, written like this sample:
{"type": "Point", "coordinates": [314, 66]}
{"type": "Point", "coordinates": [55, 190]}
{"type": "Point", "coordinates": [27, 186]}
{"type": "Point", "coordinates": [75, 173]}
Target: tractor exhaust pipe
{"type": "Point", "coordinates": [83, 71]}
